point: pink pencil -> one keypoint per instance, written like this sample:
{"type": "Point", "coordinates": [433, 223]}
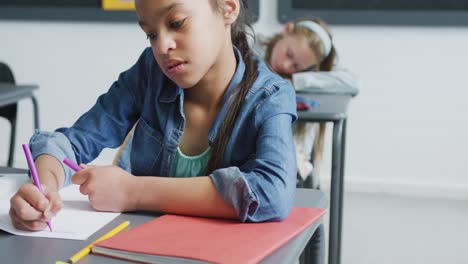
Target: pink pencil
{"type": "Point", "coordinates": [71, 164]}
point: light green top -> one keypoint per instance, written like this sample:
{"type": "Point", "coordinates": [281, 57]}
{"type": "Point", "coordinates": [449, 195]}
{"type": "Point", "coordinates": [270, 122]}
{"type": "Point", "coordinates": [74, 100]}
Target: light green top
{"type": "Point", "coordinates": [190, 166]}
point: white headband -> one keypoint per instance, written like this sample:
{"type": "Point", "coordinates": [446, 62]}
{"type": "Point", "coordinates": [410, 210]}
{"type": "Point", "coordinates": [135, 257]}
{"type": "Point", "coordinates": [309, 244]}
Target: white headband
{"type": "Point", "coordinates": [318, 29]}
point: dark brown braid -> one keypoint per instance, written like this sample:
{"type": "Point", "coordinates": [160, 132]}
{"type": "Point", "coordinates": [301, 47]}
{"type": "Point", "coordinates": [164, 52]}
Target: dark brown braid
{"type": "Point", "coordinates": [239, 40]}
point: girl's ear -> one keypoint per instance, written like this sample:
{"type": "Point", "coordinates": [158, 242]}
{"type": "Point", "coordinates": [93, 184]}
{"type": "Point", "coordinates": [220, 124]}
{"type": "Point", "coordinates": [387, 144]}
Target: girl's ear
{"type": "Point", "coordinates": [288, 27]}
{"type": "Point", "coordinates": [231, 11]}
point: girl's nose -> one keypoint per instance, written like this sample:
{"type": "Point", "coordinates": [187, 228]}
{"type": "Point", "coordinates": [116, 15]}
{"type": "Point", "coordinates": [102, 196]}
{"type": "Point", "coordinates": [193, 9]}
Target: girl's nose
{"type": "Point", "coordinates": [164, 43]}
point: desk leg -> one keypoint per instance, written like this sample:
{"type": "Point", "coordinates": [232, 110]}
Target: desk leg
{"type": "Point", "coordinates": [314, 252]}
{"type": "Point", "coordinates": [36, 112]}
{"type": "Point", "coordinates": [11, 151]}
{"type": "Point", "coordinates": [335, 194]}
{"type": "Point", "coordinates": [341, 191]}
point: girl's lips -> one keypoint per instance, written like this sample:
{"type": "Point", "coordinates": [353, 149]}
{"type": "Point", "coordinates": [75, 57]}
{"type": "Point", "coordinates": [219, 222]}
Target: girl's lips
{"type": "Point", "coordinates": [175, 67]}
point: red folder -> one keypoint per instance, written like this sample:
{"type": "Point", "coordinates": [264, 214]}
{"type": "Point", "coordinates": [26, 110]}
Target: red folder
{"type": "Point", "coordinates": [206, 239]}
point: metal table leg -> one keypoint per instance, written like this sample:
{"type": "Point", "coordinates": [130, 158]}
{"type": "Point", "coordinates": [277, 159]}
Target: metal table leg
{"type": "Point", "coordinates": [314, 252]}
{"type": "Point", "coordinates": [36, 112]}
{"type": "Point", "coordinates": [341, 191]}
{"type": "Point", "coordinates": [11, 150]}
{"type": "Point", "coordinates": [336, 194]}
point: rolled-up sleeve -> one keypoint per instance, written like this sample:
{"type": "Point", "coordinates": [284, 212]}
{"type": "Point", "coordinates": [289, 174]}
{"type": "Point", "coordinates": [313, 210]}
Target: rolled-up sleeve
{"type": "Point", "coordinates": [263, 188]}
{"type": "Point", "coordinates": [232, 184]}
{"type": "Point", "coordinates": [55, 144]}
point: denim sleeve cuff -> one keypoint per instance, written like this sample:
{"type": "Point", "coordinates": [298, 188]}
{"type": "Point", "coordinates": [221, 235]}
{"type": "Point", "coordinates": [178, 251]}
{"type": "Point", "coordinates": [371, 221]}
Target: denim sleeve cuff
{"type": "Point", "coordinates": [55, 144]}
{"type": "Point", "coordinates": [234, 189]}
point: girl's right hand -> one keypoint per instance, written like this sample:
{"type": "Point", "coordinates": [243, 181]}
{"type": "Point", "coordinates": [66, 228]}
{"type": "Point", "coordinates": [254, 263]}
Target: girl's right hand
{"type": "Point", "coordinates": [30, 209]}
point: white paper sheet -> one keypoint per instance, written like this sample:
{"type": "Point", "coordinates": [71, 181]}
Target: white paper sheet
{"type": "Point", "coordinates": [77, 220]}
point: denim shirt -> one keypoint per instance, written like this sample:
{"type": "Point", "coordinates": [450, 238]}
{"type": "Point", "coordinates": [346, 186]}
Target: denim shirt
{"type": "Point", "coordinates": [257, 174]}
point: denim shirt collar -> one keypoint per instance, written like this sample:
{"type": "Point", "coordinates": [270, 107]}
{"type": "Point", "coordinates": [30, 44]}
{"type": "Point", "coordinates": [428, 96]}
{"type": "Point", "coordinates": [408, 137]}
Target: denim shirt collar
{"type": "Point", "coordinates": [229, 95]}
{"type": "Point", "coordinates": [171, 91]}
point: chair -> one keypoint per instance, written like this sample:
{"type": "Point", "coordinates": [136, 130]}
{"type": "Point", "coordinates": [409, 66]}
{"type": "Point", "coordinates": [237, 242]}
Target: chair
{"type": "Point", "coordinates": [10, 111]}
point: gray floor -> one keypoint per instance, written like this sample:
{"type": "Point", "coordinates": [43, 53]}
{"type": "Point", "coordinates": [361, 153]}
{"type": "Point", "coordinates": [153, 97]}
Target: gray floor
{"type": "Point", "coordinates": [393, 229]}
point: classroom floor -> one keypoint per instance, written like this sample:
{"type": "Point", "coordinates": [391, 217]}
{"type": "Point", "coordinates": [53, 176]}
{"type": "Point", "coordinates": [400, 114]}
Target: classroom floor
{"type": "Point", "coordinates": [382, 228]}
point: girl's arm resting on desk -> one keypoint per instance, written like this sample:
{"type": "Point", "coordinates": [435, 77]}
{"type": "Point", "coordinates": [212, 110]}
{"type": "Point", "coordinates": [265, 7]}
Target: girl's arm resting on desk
{"type": "Point", "coordinates": [110, 188]}
{"type": "Point", "coordinates": [189, 196]}
{"type": "Point", "coordinates": [337, 80]}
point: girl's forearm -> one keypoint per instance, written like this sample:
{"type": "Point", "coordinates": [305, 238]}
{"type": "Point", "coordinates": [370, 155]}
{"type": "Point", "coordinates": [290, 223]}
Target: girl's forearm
{"type": "Point", "coordinates": [50, 171]}
{"type": "Point", "coordinates": [195, 196]}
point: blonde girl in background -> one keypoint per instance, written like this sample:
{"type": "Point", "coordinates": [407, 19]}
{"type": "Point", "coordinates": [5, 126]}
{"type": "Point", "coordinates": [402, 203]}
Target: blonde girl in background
{"type": "Point", "coordinates": [304, 53]}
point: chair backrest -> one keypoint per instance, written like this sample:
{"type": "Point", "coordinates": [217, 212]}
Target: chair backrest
{"type": "Point", "coordinates": [6, 75]}
{"type": "Point", "coordinates": [8, 111]}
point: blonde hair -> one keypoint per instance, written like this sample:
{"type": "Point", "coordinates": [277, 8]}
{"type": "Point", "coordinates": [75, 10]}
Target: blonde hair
{"type": "Point", "coordinates": [326, 64]}
{"type": "Point", "coordinates": [315, 43]}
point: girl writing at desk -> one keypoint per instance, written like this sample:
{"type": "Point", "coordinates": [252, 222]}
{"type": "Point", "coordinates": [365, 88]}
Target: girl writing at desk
{"type": "Point", "coordinates": [205, 107]}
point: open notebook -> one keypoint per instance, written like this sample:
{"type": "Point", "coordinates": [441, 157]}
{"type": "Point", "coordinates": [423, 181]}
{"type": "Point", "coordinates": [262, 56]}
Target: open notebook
{"type": "Point", "coordinates": [173, 238]}
{"type": "Point", "coordinates": [77, 220]}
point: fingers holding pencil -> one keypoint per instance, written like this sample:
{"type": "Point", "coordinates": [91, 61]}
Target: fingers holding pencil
{"type": "Point", "coordinates": [55, 203]}
{"type": "Point", "coordinates": [33, 171]}
{"type": "Point", "coordinates": [31, 210]}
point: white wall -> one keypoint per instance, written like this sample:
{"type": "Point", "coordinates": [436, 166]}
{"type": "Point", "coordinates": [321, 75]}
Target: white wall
{"type": "Point", "coordinates": [72, 62]}
{"type": "Point", "coordinates": [407, 128]}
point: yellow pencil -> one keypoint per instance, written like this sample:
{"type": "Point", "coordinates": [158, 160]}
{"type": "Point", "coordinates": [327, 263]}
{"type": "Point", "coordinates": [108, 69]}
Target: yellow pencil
{"type": "Point", "coordinates": [85, 251]}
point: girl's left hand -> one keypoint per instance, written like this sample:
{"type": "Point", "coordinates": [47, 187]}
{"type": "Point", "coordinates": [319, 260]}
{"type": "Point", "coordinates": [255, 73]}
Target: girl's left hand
{"type": "Point", "coordinates": [109, 188]}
